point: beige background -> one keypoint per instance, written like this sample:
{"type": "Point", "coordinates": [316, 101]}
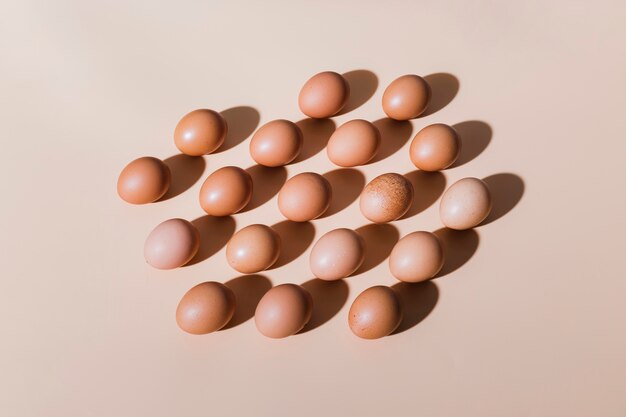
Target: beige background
{"type": "Point", "coordinates": [528, 317]}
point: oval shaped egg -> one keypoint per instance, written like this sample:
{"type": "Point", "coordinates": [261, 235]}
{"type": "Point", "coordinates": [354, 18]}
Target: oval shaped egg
{"type": "Point", "coordinates": [406, 97]}
{"type": "Point", "coordinates": [226, 191]}
{"type": "Point", "coordinates": [304, 197]}
{"type": "Point", "coordinates": [375, 313]}
{"type": "Point", "coordinates": [205, 308]}
{"type": "Point", "coordinates": [283, 311]}
{"type": "Point", "coordinates": [200, 132]}
{"type": "Point", "coordinates": [465, 204]}
{"type": "Point", "coordinates": [386, 198]}
{"type": "Point", "coordinates": [276, 143]}
{"type": "Point", "coordinates": [171, 244]}
{"type": "Point", "coordinates": [337, 254]}
{"type": "Point", "coordinates": [416, 257]}
{"type": "Point", "coordinates": [253, 249]}
{"type": "Point", "coordinates": [144, 180]}
{"type": "Point", "coordinates": [353, 143]}
{"type": "Point", "coordinates": [435, 147]}
{"type": "Point", "coordinates": [324, 95]}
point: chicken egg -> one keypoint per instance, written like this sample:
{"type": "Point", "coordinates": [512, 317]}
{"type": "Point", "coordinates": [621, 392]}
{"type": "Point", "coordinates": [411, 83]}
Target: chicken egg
{"type": "Point", "coordinates": [353, 143]}
{"type": "Point", "coordinates": [205, 308]}
{"type": "Point", "coordinates": [375, 313]}
{"type": "Point", "coordinates": [416, 257]}
{"type": "Point", "coordinates": [304, 197]}
{"type": "Point", "coordinates": [144, 180]}
{"type": "Point", "coordinates": [171, 244]}
{"type": "Point", "coordinates": [465, 204]}
{"type": "Point", "coordinates": [283, 311]}
{"type": "Point", "coordinates": [226, 191]}
{"type": "Point", "coordinates": [276, 143]}
{"type": "Point", "coordinates": [200, 132]}
{"type": "Point", "coordinates": [406, 97]}
{"type": "Point", "coordinates": [337, 254]}
{"type": "Point", "coordinates": [435, 147]}
{"type": "Point", "coordinates": [386, 198]}
{"type": "Point", "coordinates": [324, 95]}
{"type": "Point", "coordinates": [253, 249]}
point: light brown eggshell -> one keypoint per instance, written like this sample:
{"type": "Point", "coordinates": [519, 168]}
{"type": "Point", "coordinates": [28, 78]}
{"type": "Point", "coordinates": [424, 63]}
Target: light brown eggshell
{"type": "Point", "coordinates": [144, 180]}
{"type": "Point", "coordinates": [337, 254]}
{"type": "Point", "coordinates": [205, 308]}
{"type": "Point", "coordinates": [465, 204]}
{"type": "Point", "coordinates": [375, 313]}
{"type": "Point", "coordinates": [276, 143]}
{"type": "Point", "coordinates": [416, 257]}
{"type": "Point", "coordinates": [435, 147]}
{"type": "Point", "coordinates": [324, 95]}
{"type": "Point", "coordinates": [406, 97]}
{"type": "Point", "coordinates": [171, 244]}
{"type": "Point", "coordinates": [226, 191]}
{"type": "Point", "coordinates": [304, 197]}
{"type": "Point", "coordinates": [200, 132]}
{"type": "Point", "coordinates": [353, 143]}
{"type": "Point", "coordinates": [386, 198]}
{"type": "Point", "coordinates": [283, 311]}
{"type": "Point", "coordinates": [253, 249]}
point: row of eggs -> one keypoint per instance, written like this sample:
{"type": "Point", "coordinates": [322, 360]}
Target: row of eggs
{"type": "Point", "coordinates": [285, 309]}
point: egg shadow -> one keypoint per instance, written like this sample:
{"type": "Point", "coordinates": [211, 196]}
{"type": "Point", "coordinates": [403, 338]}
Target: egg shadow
{"type": "Point", "coordinates": [443, 88]}
{"type": "Point", "coordinates": [458, 247]}
{"type": "Point", "coordinates": [506, 192]}
{"type": "Point", "coordinates": [328, 299]}
{"type": "Point", "coordinates": [295, 239]}
{"type": "Point", "coordinates": [266, 183]}
{"type": "Point", "coordinates": [186, 171]}
{"type": "Point", "coordinates": [248, 290]}
{"type": "Point", "coordinates": [242, 122]}
{"type": "Point", "coordinates": [379, 241]}
{"type": "Point", "coordinates": [315, 134]}
{"type": "Point", "coordinates": [347, 184]}
{"type": "Point", "coordinates": [215, 232]}
{"type": "Point", "coordinates": [427, 188]}
{"type": "Point", "coordinates": [363, 85]}
{"type": "Point", "coordinates": [475, 136]}
{"type": "Point", "coordinates": [393, 135]}
{"type": "Point", "coordinates": [418, 300]}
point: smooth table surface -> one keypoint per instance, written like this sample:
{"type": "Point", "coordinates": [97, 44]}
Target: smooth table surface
{"type": "Point", "coordinates": [528, 316]}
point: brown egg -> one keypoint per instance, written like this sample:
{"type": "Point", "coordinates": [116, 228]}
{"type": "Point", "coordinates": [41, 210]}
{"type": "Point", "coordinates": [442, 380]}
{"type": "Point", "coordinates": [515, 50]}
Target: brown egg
{"type": "Point", "coordinates": [416, 257]}
{"type": "Point", "coordinates": [304, 197]}
{"type": "Point", "coordinates": [253, 249]}
{"type": "Point", "coordinates": [226, 191]}
{"type": "Point", "coordinates": [465, 204]}
{"type": "Point", "coordinates": [353, 143]}
{"type": "Point", "coordinates": [171, 244]}
{"type": "Point", "coordinates": [144, 180]}
{"type": "Point", "coordinates": [276, 143]}
{"type": "Point", "coordinates": [337, 254]}
{"type": "Point", "coordinates": [435, 147]}
{"type": "Point", "coordinates": [283, 311]}
{"type": "Point", "coordinates": [324, 95]}
{"type": "Point", "coordinates": [386, 198]}
{"type": "Point", "coordinates": [205, 308]}
{"type": "Point", "coordinates": [406, 97]}
{"type": "Point", "coordinates": [375, 313]}
{"type": "Point", "coordinates": [200, 132]}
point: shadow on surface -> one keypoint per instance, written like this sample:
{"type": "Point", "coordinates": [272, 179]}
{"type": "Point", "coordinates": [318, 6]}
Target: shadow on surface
{"type": "Point", "coordinates": [379, 241]}
{"type": "Point", "coordinates": [215, 232]}
{"type": "Point", "coordinates": [458, 247]}
{"type": "Point", "coordinates": [266, 183]}
{"type": "Point", "coordinates": [427, 187]}
{"type": "Point", "coordinates": [393, 135]}
{"type": "Point", "coordinates": [418, 301]}
{"type": "Point", "coordinates": [248, 290]}
{"type": "Point", "coordinates": [186, 171]}
{"type": "Point", "coordinates": [363, 85]}
{"type": "Point", "coordinates": [315, 134]}
{"type": "Point", "coordinates": [443, 89]}
{"type": "Point", "coordinates": [475, 137]}
{"type": "Point", "coordinates": [328, 298]}
{"type": "Point", "coordinates": [506, 191]}
{"type": "Point", "coordinates": [295, 239]}
{"type": "Point", "coordinates": [242, 122]}
{"type": "Point", "coordinates": [347, 184]}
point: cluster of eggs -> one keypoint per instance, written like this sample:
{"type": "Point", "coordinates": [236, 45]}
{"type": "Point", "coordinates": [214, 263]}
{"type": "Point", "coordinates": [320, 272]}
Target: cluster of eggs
{"type": "Point", "coordinates": [285, 309]}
